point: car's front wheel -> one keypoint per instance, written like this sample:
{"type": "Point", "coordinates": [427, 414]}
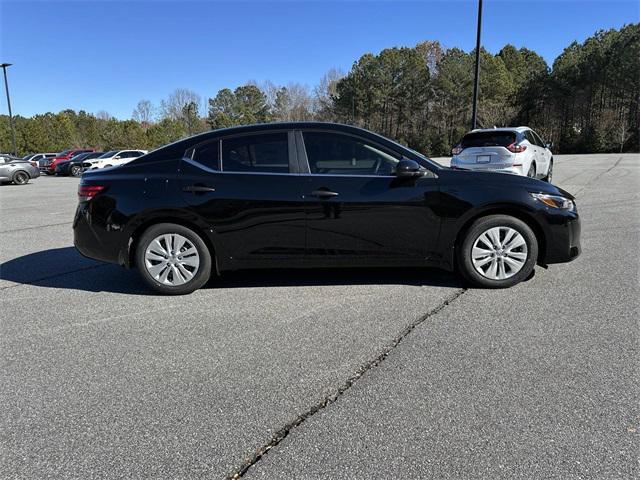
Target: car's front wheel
{"type": "Point", "coordinates": [173, 259]}
{"type": "Point", "coordinates": [76, 170]}
{"type": "Point", "coordinates": [21, 178]}
{"type": "Point", "coordinates": [498, 251]}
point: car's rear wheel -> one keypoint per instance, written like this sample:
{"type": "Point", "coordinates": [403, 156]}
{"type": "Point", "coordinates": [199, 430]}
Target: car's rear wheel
{"type": "Point", "coordinates": [532, 171]}
{"type": "Point", "coordinates": [549, 176]}
{"type": "Point", "coordinates": [173, 259]}
{"type": "Point", "coordinates": [76, 170]}
{"type": "Point", "coordinates": [498, 251]}
{"type": "Point", "coordinates": [21, 178]}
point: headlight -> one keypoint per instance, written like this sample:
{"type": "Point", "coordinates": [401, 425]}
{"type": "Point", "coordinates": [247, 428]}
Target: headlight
{"type": "Point", "coordinates": [555, 201]}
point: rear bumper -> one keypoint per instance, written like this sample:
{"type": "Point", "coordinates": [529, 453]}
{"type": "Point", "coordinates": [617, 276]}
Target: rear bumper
{"type": "Point", "coordinates": [92, 239]}
{"type": "Point", "coordinates": [489, 167]}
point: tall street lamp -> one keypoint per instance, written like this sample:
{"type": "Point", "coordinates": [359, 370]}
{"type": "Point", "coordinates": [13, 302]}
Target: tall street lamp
{"type": "Point", "coordinates": [476, 81]}
{"type": "Point", "coordinates": [6, 88]}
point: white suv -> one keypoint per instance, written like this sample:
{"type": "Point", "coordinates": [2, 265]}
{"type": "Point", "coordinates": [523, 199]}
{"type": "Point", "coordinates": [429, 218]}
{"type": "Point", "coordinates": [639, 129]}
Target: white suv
{"type": "Point", "coordinates": [517, 150]}
{"type": "Point", "coordinates": [114, 158]}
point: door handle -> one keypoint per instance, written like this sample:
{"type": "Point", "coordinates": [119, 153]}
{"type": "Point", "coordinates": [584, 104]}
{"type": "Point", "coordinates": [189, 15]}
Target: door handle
{"type": "Point", "coordinates": [324, 194]}
{"type": "Point", "coordinates": [198, 189]}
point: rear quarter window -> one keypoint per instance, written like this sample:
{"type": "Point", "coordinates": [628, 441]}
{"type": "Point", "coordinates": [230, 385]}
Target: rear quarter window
{"type": "Point", "coordinates": [488, 139]}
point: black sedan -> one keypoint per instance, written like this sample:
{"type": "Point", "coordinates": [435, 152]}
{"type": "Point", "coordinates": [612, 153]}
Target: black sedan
{"type": "Point", "coordinates": [74, 165]}
{"type": "Point", "coordinates": [316, 195]}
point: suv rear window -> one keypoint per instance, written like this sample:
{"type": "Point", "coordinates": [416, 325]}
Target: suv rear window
{"type": "Point", "coordinates": [488, 139]}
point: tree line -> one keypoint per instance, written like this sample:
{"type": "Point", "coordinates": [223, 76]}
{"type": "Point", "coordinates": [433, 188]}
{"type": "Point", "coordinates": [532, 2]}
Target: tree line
{"type": "Point", "coordinates": [588, 101]}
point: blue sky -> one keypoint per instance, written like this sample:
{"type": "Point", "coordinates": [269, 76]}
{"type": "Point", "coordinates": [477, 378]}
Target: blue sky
{"type": "Point", "coordinates": [107, 55]}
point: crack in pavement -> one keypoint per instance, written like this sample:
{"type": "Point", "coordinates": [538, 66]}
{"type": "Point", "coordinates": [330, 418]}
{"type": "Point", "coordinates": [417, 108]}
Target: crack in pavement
{"type": "Point", "coordinates": [282, 433]}
{"type": "Point", "coordinates": [36, 227]}
{"type": "Point", "coordinates": [580, 190]}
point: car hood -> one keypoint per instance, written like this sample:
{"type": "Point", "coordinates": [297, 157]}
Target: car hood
{"type": "Point", "coordinates": [499, 179]}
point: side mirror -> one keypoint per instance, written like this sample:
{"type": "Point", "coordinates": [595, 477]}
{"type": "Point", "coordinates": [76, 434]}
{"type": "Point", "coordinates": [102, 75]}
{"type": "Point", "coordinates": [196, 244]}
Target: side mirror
{"type": "Point", "coordinates": [117, 157]}
{"type": "Point", "coordinates": [549, 144]}
{"type": "Point", "coordinates": [408, 168]}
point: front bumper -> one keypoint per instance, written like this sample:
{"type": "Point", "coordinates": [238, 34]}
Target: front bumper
{"type": "Point", "coordinates": [563, 239]}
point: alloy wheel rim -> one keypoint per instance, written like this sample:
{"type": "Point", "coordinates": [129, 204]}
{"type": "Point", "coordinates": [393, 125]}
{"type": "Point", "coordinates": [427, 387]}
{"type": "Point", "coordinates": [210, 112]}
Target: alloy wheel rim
{"type": "Point", "coordinates": [499, 253]}
{"type": "Point", "coordinates": [21, 178]}
{"type": "Point", "coordinates": [171, 259]}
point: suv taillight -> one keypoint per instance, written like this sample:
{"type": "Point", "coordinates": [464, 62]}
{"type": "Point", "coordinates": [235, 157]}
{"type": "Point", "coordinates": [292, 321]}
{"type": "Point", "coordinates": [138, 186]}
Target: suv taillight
{"type": "Point", "coordinates": [87, 192]}
{"type": "Point", "coordinates": [457, 150]}
{"type": "Point", "coordinates": [515, 148]}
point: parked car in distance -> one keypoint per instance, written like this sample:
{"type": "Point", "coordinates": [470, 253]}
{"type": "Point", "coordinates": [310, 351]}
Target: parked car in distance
{"type": "Point", "coordinates": [16, 170]}
{"type": "Point", "coordinates": [316, 195]}
{"type": "Point", "coordinates": [37, 158]}
{"type": "Point", "coordinates": [74, 165]}
{"type": "Point", "coordinates": [115, 158]}
{"type": "Point", "coordinates": [517, 150]}
{"type": "Point", "coordinates": [63, 156]}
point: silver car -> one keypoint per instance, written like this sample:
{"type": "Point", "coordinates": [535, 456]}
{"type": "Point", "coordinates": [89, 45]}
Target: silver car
{"type": "Point", "coordinates": [16, 170]}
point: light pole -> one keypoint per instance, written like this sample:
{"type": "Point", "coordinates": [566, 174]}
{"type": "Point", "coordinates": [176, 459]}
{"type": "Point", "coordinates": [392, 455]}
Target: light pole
{"type": "Point", "coordinates": [6, 88]}
{"type": "Point", "coordinates": [476, 81]}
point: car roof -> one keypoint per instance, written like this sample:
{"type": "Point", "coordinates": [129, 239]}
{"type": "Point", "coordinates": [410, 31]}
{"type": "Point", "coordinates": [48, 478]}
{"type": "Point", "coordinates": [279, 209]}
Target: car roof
{"type": "Point", "coordinates": [501, 129]}
{"type": "Point", "coordinates": [304, 125]}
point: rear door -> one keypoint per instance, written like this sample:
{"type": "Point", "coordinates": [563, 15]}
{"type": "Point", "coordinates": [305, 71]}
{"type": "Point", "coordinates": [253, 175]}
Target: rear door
{"type": "Point", "coordinates": [357, 210]}
{"type": "Point", "coordinates": [544, 155]}
{"type": "Point", "coordinates": [536, 152]}
{"type": "Point", "coordinates": [248, 191]}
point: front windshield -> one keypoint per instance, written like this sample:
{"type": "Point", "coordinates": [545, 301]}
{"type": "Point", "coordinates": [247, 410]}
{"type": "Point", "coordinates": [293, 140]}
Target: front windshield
{"type": "Point", "coordinates": [79, 156]}
{"type": "Point", "coordinates": [108, 154]}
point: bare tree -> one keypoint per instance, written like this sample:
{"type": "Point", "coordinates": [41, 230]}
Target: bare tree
{"type": "Point", "coordinates": [324, 92]}
{"type": "Point", "coordinates": [293, 103]}
{"type": "Point", "coordinates": [174, 106]}
{"type": "Point", "coordinates": [143, 113]}
{"type": "Point", "coordinates": [103, 115]}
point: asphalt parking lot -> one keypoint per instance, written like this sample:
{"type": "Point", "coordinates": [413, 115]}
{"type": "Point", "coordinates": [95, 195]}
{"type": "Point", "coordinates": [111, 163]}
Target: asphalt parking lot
{"type": "Point", "coordinates": [331, 374]}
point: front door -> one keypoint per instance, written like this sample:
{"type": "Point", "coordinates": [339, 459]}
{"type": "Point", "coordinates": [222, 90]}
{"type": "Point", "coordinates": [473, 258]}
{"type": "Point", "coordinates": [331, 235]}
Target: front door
{"type": "Point", "coordinates": [250, 198]}
{"type": "Point", "coordinates": [357, 209]}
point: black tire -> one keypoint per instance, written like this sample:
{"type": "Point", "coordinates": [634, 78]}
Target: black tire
{"type": "Point", "coordinates": [20, 177]}
{"type": "Point", "coordinates": [204, 269]}
{"type": "Point", "coordinates": [549, 177]}
{"type": "Point", "coordinates": [76, 170]}
{"type": "Point", "coordinates": [480, 226]}
{"type": "Point", "coordinates": [532, 170]}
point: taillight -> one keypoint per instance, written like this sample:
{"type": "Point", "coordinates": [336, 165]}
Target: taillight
{"type": "Point", "coordinates": [457, 150]}
{"type": "Point", "coordinates": [87, 192]}
{"type": "Point", "coordinates": [515, 148]}
{"type": "Point", "coordinates": [35, 164]}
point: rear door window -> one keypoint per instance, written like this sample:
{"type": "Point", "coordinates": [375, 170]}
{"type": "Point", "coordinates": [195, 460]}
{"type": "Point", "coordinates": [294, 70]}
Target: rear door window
{"type": "Point", "coordinates": [259, 153]}
{"type": "Point", "coordinates": [529, 136]}
{"type": "Point", "coordinates": [537, 138]}
{"type": "Point", "coordinates": [488, 139]}
{"type": "Point", "coordinates": [208, 154]}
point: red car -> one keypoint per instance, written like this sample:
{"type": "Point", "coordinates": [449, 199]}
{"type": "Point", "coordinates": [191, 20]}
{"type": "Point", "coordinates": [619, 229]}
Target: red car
{"type": "Point", "coordinates": [64, 156]}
